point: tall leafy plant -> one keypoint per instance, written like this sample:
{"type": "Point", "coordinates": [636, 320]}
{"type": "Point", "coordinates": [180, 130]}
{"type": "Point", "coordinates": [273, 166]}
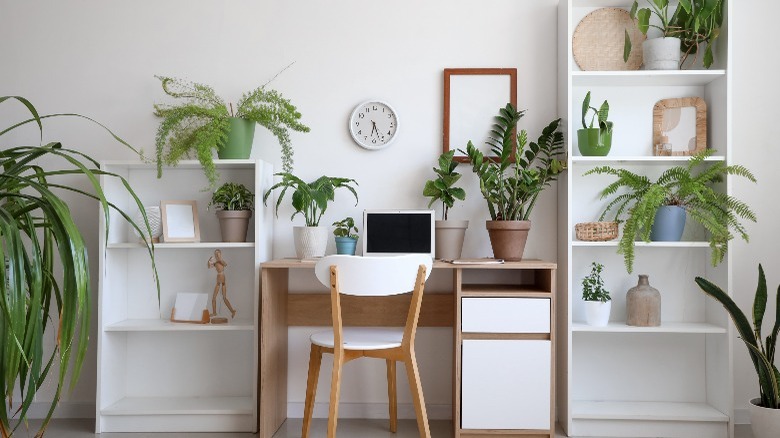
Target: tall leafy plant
{"type": "Point", "coordinates": [310, 199]}
{"type": "Point", "coordinates": [38, 233]}
{"type": "Point", "coordinates": [762, 354]}
{"type": "Point", "coordinates": [511, 181]}
{"type": "Point", "coordinates": [443, 187]}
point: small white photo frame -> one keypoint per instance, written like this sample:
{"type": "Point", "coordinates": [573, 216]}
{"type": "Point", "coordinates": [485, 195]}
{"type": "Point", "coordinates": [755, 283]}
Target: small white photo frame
{"type": "Point", "coordinates": [180, 221]}
{"type": "Point", "coordinates": [191, 308]}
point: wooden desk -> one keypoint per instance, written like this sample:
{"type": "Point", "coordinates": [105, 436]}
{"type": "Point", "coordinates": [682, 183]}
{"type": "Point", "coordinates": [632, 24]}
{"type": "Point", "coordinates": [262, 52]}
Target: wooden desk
{"type": "Point", "coordinates": [493, 332]}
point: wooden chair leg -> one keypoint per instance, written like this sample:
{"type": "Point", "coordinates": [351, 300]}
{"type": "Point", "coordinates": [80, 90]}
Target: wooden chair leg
{"type": "Point", "coordinates": [391, 395]}
{"type": "Point", "coordinates": [417, 395]}
{"type": "Point", "coordinates": [335, 388]}
{"type": "Point", "coordinates": [315, 360]}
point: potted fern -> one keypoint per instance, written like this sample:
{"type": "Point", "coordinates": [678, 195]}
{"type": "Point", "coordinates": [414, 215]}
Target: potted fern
{"type": "Point", "coordinates": [234, 203]}
{"type": "Point", "coordinates": [310, 200]}
{"type": "Point", "coordinates": [203, 123]}
{"type": "Point", "coordinates": [657, 210]}
{"type": "Point", "coordinates": [449, 233]}
{"type": "Point", "coordinates": [346, 236]}
{"type": "Point", "coordinates": [598, 302]}
{"type": "Point", "coordinates": [511, 181]}
{"type": "Point", "coordinates": [764, 410]}
{"type": "Point", "coordinates": [595, 141]}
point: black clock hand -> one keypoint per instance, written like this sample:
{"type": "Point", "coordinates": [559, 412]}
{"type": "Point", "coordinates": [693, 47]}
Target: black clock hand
{"type": "Point", "coordinates": [374, 128]}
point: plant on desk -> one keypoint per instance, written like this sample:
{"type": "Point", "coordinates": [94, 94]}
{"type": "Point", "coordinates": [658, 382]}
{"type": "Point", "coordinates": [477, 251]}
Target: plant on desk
{"type": "Point", "coordinates": [346, 239]}
{"type": "Point", "coordinates": [449, 234]}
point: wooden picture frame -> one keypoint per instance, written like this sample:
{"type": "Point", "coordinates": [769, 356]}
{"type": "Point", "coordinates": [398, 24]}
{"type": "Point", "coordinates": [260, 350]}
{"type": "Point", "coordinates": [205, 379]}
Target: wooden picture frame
{"type": "Point", "coordinates": [677, 119]}
{"type": "Point", "coordinates": [180, 221]}
{"type": "Point", "coordinates": [190, 308]}
{"type": "Point", "coordinates": [472, 98]}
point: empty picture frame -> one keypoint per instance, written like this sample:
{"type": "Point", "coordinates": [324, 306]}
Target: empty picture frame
{"type": "Point", "coordinates": [180, 221]}
{"type": "Point", "coordinates": [683, 121]}
{"type": "Point", "coordinates": [472, 98]}
{"type": "Point", "coordinates": [190, 308]}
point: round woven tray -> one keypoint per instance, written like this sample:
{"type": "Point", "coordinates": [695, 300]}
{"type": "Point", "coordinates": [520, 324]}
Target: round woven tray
{"type": "Point", "coordinates": [599, 39]}
{"type": "Point", "coordinates": [596, 231]}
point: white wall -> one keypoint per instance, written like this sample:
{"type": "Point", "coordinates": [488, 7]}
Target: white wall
{"type": "Point", "coordinates": [98, 58]}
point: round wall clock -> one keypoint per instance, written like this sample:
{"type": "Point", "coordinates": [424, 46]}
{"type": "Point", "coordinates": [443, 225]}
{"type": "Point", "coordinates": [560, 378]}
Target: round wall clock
{"type": "Point", "coordinates": [373, 124]}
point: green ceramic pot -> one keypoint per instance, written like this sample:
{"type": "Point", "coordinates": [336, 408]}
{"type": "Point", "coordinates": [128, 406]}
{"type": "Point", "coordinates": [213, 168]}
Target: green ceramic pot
{"type": "Point", "coordinates": [239, 141]}
{"type": "Point", "coordinates": [591, 144]}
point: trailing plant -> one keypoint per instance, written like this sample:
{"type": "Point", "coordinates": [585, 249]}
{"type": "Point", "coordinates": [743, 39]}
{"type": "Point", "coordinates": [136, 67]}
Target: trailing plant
{"type": "Point", "coordinates": [761, 354]}
{"type": "Point", "coordinates": [232, 196]}
{"type": "Point", "coordinates": [442, 188]}
{"type": "Point", "coordinates": [310, 199]}
{"type": "Point", "coordinates": [199, 125]}
{"type": "Point", "coordinates": [593, 285]}
{"type": "Point", "coordinates": [344, 228]}
{"type": "Point", "coordinates": [513, 181]}
{"type": "Point", "coordinates": [38, 231]}
{"type": "Point", "coordinates": [690, 187]}
{"type": "Point", "coordinates": [605, 126]}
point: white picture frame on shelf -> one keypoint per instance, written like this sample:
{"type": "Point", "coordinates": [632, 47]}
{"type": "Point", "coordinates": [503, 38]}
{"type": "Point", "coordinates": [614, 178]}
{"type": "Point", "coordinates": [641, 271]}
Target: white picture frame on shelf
{"type": "Point", "coordinates": [180, 221]}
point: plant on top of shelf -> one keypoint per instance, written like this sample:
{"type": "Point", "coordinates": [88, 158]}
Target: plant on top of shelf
{"type": "Point", "coordinates": [656, 210]}
{"type": "Point", "coordinates": [234, 203]}
{"type": "Point", "coordinates": [512, 181]}
{"type": "Point", "coordinates": [761, 354]}
{"type": "Point", "coordinates": [37, 232]}
{"type": "Point", "coordinates": [595, 141]}
{"type": "Point", "coordinates": [346, 240]}
{"type": "Point", "coordinates": [598, 302]}
{"type": "Point", "coordinates": [204, 123]}
{"type": "Point", "coordinates": [449, 234]}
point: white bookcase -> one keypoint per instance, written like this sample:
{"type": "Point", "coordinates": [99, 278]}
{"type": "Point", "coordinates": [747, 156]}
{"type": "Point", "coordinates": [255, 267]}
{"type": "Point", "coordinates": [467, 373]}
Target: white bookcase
{"type": "Point", "coordinates": [669, 381]}
{"type": "Point", "coordinates": [158, 376]}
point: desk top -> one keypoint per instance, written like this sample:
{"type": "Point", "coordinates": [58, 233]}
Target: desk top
{"type": "Point", "coordinates": [292, 263]}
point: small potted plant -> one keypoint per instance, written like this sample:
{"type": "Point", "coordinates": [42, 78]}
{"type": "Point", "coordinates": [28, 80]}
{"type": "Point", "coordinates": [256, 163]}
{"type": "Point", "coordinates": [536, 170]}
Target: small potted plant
{"type": "Point", "coordinates": [513, 180]}
{"type": "Point", "coordinates": [598, 303]}
{"type": "Point", "coordinates": [310, 200]}
{"type": "Point", "coordinates": [346, 239]}
{"type": "Point", "coordinates": [765, 409]}
{"type": "Point", "coordinates": [657, 210]}
{"type": "Point", "coordinates": [234, 204]}
{"type": "Point", "coordinates": [595, 141]}
{"type": "Point", "coordinates": [449, 234]}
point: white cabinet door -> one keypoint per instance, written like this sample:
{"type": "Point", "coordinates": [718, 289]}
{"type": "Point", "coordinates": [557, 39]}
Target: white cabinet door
{"type": "Point", "coordinates": [505, 384]}
{"type": "Point", "coordinates": [505, 315]}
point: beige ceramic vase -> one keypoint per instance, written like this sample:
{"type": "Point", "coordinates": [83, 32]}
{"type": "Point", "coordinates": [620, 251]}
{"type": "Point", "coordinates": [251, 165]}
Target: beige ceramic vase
{"type": "Point", "coordinates": [643, 304]}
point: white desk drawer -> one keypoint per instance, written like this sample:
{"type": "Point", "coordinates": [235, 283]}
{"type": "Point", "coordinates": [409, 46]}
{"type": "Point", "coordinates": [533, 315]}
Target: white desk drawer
{"type": "Point", "coordinates": [505, 315]}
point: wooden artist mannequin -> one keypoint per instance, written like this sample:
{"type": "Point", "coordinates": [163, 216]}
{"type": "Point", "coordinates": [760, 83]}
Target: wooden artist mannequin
{"type": "Point", "coordinates": [217, 263]}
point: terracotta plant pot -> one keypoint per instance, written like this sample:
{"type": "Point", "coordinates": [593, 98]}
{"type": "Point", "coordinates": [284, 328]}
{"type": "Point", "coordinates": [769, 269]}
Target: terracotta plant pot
{"type": "Point", "coordinates": [764, 422]}
{"type": "Point", "coordinates": [449, 239]}
{"type": "Point", "coordinates": [310, 242]}
{"type": "Point", "coordinates": [234, 224]}
{"type": "Point", "coordinates": [508, 238]}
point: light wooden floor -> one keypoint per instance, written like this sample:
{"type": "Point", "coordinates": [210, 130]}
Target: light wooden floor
{"type": "Point", "coordinates": [290, 429]}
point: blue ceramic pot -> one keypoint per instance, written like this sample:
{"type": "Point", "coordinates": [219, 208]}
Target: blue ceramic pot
{"type": "Point", "coordinates": [668, 225]}
{"type": "Point", "coordinates": [345, 245]}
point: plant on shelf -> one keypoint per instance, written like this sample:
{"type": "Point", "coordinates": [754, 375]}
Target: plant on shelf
{"type": "Point", "coordinates": [234, 203]}
{"type": "Point", "coordinates": [449, 234]}
{"type": "Point", "coordinates": [656, 210]}
{"type": "Point", "coordinates": [46, 281]}
{"type": "Point", "coordinates": [346, 239]}
{"type": "Point", "coordinates": [204, 123]}
{"type": "Point", "coordinates": [765, 410]}
{"type": "Point", "coordinates": [597, 300]}
{"type": "Point", "coordinates": [595, 141]}
{"type": "Point", "coordinates": [310, 200]}
{"type": "Point", "coordinates": [512, 180]}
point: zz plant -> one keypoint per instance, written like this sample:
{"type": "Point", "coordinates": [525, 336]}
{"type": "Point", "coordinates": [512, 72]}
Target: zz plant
{"type": "Point", "coordinates": [310, 199]}
{"type": "Point", "coordinates": [442, 188]}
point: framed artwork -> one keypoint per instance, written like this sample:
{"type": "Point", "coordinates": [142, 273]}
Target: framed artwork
{"type": "Point", "coordinates": [472, 98]}
{"type": "Point", "coordinates": [180, 221]}
{"type": "Point", "coordinates": [679, 126]}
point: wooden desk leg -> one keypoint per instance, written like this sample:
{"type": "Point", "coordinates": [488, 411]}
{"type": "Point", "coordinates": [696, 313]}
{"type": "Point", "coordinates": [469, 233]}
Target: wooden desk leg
{"type": "Point", "coordinates": [273, 351]}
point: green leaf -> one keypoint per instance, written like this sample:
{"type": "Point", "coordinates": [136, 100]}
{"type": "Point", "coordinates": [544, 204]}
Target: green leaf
{"type": "Point", "coordinates": [627, 46]}
{"type": "Point", "coordinates": [632, 12]}
{"type": "Point", "coordinates": [759, 302]}
{"type": "Point", "coordinates": [585, 107]}
{"type": "Point", "coordinates": [643, 18]}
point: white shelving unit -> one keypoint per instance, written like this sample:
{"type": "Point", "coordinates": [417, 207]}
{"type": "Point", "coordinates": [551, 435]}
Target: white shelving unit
{"type": "Point", "coordinates": [616, 381]}
{"type": "Point", "coordinates": [159, 376]}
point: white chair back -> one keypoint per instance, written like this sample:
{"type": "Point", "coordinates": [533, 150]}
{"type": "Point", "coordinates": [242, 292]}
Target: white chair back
{"type": "Point", "coordinates": [374, 276]}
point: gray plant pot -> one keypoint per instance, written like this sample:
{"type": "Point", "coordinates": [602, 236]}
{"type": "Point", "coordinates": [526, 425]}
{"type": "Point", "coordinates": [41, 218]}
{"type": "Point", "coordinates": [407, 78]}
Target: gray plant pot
{"type": "Point", "coordinates": [661, 53]}
{"type": "Point", "coordinates": [234, 224]}
{"type": "Point", "coordinates": [449, 239]}
{"type": "Point", "coordinates": [764, 422]}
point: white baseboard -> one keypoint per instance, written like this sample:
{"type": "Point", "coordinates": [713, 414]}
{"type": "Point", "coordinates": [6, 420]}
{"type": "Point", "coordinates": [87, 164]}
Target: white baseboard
{"type": "Point", "coordinates": [741, 416]}
{"type": "Point", "coordinates": [371, 410]}
{"type": "Point", "coordinates": [65, 409]}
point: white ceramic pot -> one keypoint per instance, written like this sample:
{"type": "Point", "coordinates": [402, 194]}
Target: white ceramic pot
{"type": "Point", "coordinates": [154, 217]}
{"type": "Point", "coordinates": [764, 422]}
{"type": "Point", "coordinates": [310, 242]}
{"type": "Point", "coordinates": [661, 53]}
{"type": "Point", "coordinates": [597, 313]}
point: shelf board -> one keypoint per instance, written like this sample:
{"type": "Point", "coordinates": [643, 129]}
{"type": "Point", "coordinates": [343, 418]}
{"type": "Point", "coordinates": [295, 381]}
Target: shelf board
{"type": "Point", "coordinates": [666, 327]}
{"type": "Point", "coordinates": [653, 411]}
{"type": "Point", "coordinates": [163, 325]}
{"type": "Point", "coordinates": [601, 3]}
{"type": "Point", "coordinates": [645, 78]}
{"type": "Point", "coordinates": [181, 406]}
{"type": "Point", "coordinates": [181, 245]}
{"type": "Point", "coordinates": [183, 164]}
{"type": "Point", "coordinates": [614, 243]}
{"type": "Point", "coordinates": [638, 159]}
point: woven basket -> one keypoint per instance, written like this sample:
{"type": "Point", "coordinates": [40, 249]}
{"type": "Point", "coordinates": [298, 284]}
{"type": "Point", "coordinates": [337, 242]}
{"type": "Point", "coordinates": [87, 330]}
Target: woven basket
{"type": "Point", "coordinates": [596, 231]}
{"type": "Point", "coordinates": [597, 42]}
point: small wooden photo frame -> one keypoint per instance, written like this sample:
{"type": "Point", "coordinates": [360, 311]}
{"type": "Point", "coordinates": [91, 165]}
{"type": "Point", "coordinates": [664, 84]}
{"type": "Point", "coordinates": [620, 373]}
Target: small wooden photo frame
{"type": "Point", "coordinates": [190, 308]}
{"type": "Point", "coordinates": [681, 125]}
{"type": "Point", "coordinates": [180, 221]}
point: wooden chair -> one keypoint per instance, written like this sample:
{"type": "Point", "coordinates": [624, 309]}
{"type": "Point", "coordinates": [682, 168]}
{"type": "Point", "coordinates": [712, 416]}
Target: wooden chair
{"type": "Point", "coordinates": [369, 276]}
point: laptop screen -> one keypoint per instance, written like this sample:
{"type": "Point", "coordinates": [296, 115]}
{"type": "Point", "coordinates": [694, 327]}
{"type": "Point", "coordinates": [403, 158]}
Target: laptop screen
{"type": "Point", "coordinates": [398, 232]}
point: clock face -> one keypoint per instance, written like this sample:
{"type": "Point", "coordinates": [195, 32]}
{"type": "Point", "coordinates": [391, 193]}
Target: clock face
{"type": "Point", "coordinates": [373, 124]}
